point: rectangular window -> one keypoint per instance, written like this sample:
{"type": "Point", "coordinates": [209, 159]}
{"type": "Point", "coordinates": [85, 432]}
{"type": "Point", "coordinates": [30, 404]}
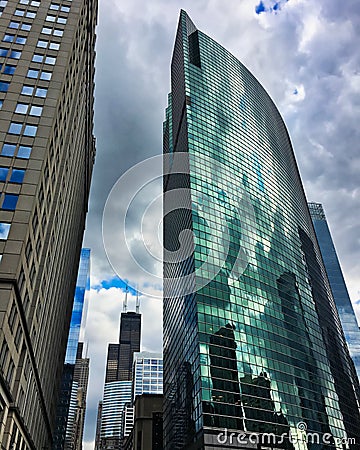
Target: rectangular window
{"type": "Point", "coordinates": [14, 54]}
{"type": "Point", "coordinates": [27, 90]}
{"type": "Point", "coordinates": [4, 52]}
{"type": "Point", "coordinates": [10, 371]}
{"type": "Point", "coordinates": [20, 40]}
{"type": "Point", "coordinates": [42, 44]}
{"type": "Point", "coordinates": [58, 32]}
{"type": "Point", "coordinates": [8, 38]}
{"type": "Point", "coordinates": [4, 86]}
{"type": "Point", "coordinates": [50, 60]}
{"type": "Point", "coordinates": [15, 128]}
{"type": "Point", "coordinates": [62, 20]}
{"type": "Point", "coordinates": [12, 317]}
{"type": "Point", "coordinates": [41, 92]}
{"type": "Point", "coordinates": [25, 26]}
{"type": "Point", "coordinates": [54, 46]}
{"type": "Point", "coordinates": [50, 18]}
{"type": "Point", "coordinates": [30, 130]}
{"type": "Point", "coordinates": [4, 230]}
{"type": "Point", "coordinates": [9, 70]}
{"type": "Point", "coordinates": [45, 75]}
{"type": "Point", "coordinates": [32, 73]}
{"type": "Point", "coordinates": [24, 152]}
{"type": "Point", "coordinates": [37, 58]}
{"type": "Point", "coordinates": [54, 6]}
{"type": "Point", "coordinates": [46, 30]}
{"type": "Point", "coordinates": [22, 108]}
{"type": "Point", "coordinates": [65, 9]}
{"type": "Point", "coordinates": [4, 354]}
{"type": "Point", "coordinates": [36, 111]}
{"type": "Point", "coordinates": [19, 12]}
{"type": "Point", "coordinates": [3, 173]}
{"type": "Point", "coordinates": [8, 149]}
{"type": "Point", "coordinates": [10, 201]}
{"type": "Point", "coordinates": [30, 14]}
{"type": "Point", "coordinates": [17, 176]}
{"type": "Point", "coordinates": [15, 25]}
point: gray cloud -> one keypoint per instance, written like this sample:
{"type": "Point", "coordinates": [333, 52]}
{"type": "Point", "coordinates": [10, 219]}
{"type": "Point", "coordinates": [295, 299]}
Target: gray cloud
{"type": "Point", "coordinates": [313, 50]}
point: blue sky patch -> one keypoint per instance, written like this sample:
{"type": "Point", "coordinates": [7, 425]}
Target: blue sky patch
{"type": "Point", "coordinates": [115, 282]}
{"type": "Point", "coordinates": [260, 8]}
{"type": "Point", "coordinates": [276, 6]}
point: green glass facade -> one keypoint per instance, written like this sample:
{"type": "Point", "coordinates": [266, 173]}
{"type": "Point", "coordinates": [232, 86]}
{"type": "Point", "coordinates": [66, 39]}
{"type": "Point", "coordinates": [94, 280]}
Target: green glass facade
{"type": "Point", "coordinates": [252, 339]}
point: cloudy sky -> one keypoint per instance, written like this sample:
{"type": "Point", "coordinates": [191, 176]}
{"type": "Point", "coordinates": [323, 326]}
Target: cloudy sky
{"type": "Point", "coordinates": [305, 54]}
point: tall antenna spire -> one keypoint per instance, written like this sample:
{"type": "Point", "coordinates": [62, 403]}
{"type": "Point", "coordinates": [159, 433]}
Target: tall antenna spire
{"type": "Point", "coordinates": [137, 300]}
{"type": "Point", "coordinates": [126, 298]}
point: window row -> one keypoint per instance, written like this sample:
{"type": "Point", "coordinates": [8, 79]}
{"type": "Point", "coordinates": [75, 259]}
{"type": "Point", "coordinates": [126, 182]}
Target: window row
{"type": "Point", "coordinates": [53, 31]}
{"type": "Point", "coordinates": [17, 40]}
{"type": "Point", "coordinates": [21, 128]}
{"type": "Point", "coordinates": [43, 75]}
{"type": "Point", "coordinates": [23, 151]}
{"type": "Point", "coordinates": [23, 13]}
{"type": "Point", "coordinates": [6, 52]}
{"type": "Point", "coordinates": [12, 175]}
{"type": "Point", "coordinates": [26, 108]}
{"type": "Point", "coordinates": [50, 18]}
{"type": "Point", "coordinates": [23, 26]}
{"type": "Point", "coordinates": [47, 44]}
{"type": "Point", "coordinates": [56, 7]}
{"type": "Point", "coordinates": [31, 90]}
{"type": "Point", "coordinates": [31, 3]}
{"type": "Point", "coordinates": [42, 58]}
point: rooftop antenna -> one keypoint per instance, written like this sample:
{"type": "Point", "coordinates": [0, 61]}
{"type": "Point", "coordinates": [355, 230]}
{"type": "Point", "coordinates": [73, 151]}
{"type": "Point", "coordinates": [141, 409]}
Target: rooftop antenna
{"type": "Point", "coordinates": [126, 299]}
{"type": "Point", "coordinates": [137, 300]}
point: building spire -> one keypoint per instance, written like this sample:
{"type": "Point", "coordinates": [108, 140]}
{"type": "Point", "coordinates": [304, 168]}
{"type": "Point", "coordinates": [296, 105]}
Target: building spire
{"type": "Point", "coordinates": [125, 305]}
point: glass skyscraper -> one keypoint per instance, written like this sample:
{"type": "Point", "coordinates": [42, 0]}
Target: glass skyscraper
{"type": "Point", "coordinates": [80, 306]}
{"type": "Point", "coordinates": [76, 368]}
{"type": "Point", "coordinates": [337, 282]}
{"type": "Point", "coordinates": [252, 338]}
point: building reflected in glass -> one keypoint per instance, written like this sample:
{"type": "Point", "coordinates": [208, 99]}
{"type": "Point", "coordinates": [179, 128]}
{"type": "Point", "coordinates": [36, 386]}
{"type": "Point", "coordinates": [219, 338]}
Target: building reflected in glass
{"type": "Point", "coordinates": [252, 339]}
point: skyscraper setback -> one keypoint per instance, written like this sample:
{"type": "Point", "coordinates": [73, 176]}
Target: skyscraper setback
{"type": "Point", "coordinates": [118, 381]}
{"type": "Point", "coordinates": [252, 338]}
{"type": "Point", "coordinates": [47, 151]}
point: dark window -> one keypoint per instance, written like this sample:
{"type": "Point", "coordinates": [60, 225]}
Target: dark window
{"type": "Point", "coordinates": [10, 202]}
{"type": "Point", "coordinates": [4, 86]}
{"type": "Point", "coordinates": [3, 173]}
{"type": "Point", "coordinates": [9, 70]}
{"type": "Point", "coordinates": [17, 176]}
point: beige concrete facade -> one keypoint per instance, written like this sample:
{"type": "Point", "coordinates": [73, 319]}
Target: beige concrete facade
{"type": "Point", "coordinates": [47, 152]}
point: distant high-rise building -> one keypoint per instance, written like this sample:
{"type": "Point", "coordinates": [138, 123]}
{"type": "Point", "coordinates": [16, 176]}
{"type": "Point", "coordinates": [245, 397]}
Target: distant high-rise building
{"type": "Point", "coordinates": [118, 381]}
{"type": "Point", "coordinates": [147, 379]}
{"type": "Point", "coordinates": [252, 337]}
{"type": "Point", "coordinates": [98, 426]}
{"type": "Point", "coordinates": [76, 368]}
{"type": "Point", "coordinates": [337, 283]}
{"type": "Point", "coordinates": [129, 343]}
{"type": "Point", "coordinates": [47, 151]}
{"type": "Point", "coordinates": [148, 373]}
